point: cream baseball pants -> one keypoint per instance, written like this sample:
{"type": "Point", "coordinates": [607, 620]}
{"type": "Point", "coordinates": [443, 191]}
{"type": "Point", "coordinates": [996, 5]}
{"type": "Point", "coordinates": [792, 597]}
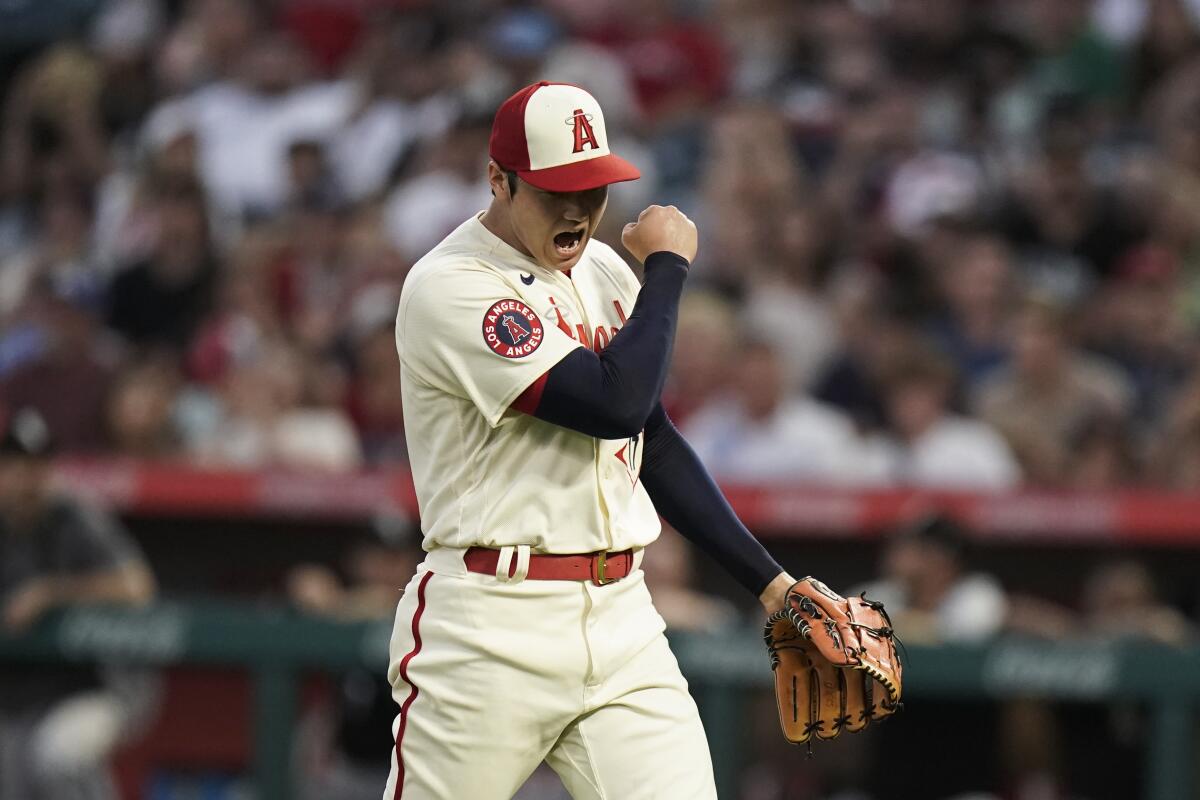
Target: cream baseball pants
{"type": "Point", "coordinates": [494, 676]}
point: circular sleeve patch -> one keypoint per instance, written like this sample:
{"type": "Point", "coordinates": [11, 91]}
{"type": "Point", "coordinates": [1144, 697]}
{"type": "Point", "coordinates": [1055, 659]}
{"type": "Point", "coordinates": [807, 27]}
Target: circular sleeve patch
{"type": "Point", "coordinates": [511, 329]}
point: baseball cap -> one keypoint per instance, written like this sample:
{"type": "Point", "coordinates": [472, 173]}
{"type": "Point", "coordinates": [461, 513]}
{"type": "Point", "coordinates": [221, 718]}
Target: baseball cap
{"type": "Point", "coordinates": [552, 135]}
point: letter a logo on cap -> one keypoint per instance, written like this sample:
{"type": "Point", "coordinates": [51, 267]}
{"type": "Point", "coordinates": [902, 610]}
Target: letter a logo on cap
{"type": "Point", "coordinates": [583, 130]}
{"type": "Point", "coordinates": [529, 138]}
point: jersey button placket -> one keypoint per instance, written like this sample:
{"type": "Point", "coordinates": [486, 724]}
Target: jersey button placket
{"type": "Point", "coordinates": [591, 641]}
{"type": "Point", "coordinates": [602, 465]}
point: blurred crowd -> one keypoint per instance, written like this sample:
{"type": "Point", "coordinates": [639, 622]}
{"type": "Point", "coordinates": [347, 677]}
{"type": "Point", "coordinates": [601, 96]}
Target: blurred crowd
{"type": "Point", "coordinates": [944, 242]}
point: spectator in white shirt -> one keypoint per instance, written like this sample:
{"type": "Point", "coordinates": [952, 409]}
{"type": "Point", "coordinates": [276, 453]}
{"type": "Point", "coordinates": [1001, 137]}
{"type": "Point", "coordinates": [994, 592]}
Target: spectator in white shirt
{"type": "Point", "coordinates": [425, 208]}
{"type": "Point", "coordinates": [927, 445]}
{"type": "Point", "coordinates": [244, 127]}
{"type": "Point", "coordinates": [396, 100]}
{"type": "Point", "coordinates": [930, 594]}
{"type": "Point", "coordinates": [757, 433]}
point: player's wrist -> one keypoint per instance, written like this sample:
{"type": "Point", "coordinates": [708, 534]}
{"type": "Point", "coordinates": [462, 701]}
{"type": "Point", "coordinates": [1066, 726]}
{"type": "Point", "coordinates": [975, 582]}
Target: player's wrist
{"type": "Point", "coordinates": [665, 260]}
{"type": "Point", "coordinates": [772, 597]}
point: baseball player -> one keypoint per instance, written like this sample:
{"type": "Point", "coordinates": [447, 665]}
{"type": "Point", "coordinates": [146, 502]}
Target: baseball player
{"type": "Point", "coordinates": [532, 364]}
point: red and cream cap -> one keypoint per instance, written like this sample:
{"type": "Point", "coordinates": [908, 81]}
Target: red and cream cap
{"type": "Point", "coordinates": [552, 135]}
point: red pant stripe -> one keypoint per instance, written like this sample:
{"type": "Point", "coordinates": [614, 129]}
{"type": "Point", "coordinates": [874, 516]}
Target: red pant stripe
{"type": "Point", "coordinates": [412, 692]}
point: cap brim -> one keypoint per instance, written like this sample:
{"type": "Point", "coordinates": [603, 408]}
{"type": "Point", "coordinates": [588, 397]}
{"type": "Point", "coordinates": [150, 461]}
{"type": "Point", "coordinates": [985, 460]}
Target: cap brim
{"type": "Point", "coordinates": [582, 175]}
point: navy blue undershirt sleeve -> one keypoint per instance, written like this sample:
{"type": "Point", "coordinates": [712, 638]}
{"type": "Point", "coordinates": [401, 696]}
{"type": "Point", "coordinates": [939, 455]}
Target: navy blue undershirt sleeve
{"type": "Point", "coordinates": [685, 495]}
{"type": "Point", "coordinates": [609, 395]}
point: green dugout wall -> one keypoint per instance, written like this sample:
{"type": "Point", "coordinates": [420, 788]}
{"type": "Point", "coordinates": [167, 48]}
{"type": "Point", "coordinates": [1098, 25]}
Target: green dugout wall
{"type": "Point", "coordinates": [277, 646]}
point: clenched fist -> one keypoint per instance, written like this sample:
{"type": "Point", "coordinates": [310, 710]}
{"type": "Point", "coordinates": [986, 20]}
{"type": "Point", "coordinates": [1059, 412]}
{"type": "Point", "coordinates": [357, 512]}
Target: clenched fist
{"type": "Point", "coordinates": [660, 228]}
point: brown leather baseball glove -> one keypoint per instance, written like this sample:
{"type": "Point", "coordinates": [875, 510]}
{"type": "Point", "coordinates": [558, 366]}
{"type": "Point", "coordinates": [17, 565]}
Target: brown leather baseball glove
{"type": "Point", "coordinates": [835, 662]}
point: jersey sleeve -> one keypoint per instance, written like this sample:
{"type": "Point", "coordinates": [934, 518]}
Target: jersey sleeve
{"type": "Point", "coordinates": [467, 332]}
{"type": "Point", "coordinates": [621, 273]}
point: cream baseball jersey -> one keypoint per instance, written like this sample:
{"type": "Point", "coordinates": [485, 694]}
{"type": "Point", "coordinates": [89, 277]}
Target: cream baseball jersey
{"type": "Point", "coordinates": [478, 323]}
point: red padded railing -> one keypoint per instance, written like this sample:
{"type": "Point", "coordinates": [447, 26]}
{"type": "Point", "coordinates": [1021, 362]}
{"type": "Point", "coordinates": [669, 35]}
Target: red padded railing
{"type": "Point", "coordinates": [1129, 517]}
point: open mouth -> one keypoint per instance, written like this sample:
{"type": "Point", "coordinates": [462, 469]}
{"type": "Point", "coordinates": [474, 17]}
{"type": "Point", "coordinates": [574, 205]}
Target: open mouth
{"type": "Point", "coordinates": [567, 244]}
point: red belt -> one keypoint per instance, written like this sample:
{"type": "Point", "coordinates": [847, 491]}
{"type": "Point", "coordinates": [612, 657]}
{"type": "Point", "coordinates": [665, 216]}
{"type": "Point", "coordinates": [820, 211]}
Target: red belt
{"type": "Point", "coordinates": [599, 568]}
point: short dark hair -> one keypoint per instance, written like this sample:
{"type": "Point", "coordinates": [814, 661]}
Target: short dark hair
{"type": "Point", "coordinates": [941, 530]}
{"type": "Point", "coordinates": [511, 176]}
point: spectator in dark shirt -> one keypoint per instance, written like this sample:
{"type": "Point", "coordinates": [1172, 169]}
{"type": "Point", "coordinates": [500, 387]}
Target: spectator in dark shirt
{"type": "Point", "coordinates": [161, 300]}
{"type": "Point", "coordinates": [58, 722]}
{"type": "Point", "coordinates": [68, 367]}
{"type": "Point", "coordinates": [1138, 323]}
{"type": "Point", "coordinates": [1068, 230]}
{"type": "Point", "coordinates": [361, 743]}
{"type": "Point", "coordinates": [977, 289]}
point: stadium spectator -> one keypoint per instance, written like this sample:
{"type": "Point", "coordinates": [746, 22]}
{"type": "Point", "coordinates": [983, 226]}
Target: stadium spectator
{"type": "Point", "coordinates": [1169, 35]}
{"type": "Point", "coordinates": [926, 444]}
{"type": "Point", "coordinates": [1067, 230]}
{"type": "Point", "coordinates": [59, 254]}
{"type": "Point", "coordinates": [371, 398]}
{"type": "Point", "coordinates": [127, 199]}
{"type": "Point", "coordinates": [758, 433]}
{"type": "Point", "coordinates": [309, 276]}
{"type": "Point", "coordinates": [1072, 58]}
{"type": "Point", "coordinates": [749, 182]}
{"type": "Point", "coordinates": [51, 124]}
{"type": "Point", "coordinates": [206, 42]}
{"type": "Point", "coordinates": [705, 343]}
{"type": "Point", "coordinates": [59, 723]}
{"type": "Point", "coordinates": [976, 282]}
{"type": "Point", "coordinates": [311, 181]}
{"type": "Point", "coordinates": [248, 309]}
{"type": "Point", "coordinates": [141, 409]}
{"type": "Point", "coordinates": [872, 336]}
{"type": "Point", "coordinates": [1177, 229]}
{"type": "Point", "coordinates": [1045, 393]}
{"type": "Point", "coordinates": [1138, 325]}
{"type": "Point", "coordinates": [162, 299]}
{"type": "Point", "coordinates": [928, 588]}
{"type": "Point", "coordinates": [1176, 452]}
{"type": "Point", "coordinates": [1171, 110]}
{"type": "Point", "coordinates": [397, 102]}
{"type": "Point", "coordinates": [788, 304]}
{"type": "Point", "coordinates": [449, 189]}
{"type": "Point", "coordinates": [1120, 601]}
{"type": "Point", "coordinates": [281, 407]}
{"type": "Point", "coordinates": [245, 124]}
{"type": "Point", "coordinates": [64, 361]}
{"type": "Point", "coordinates": [1104, 455]}
{"type": "Point", "coordinates": [354, 761]}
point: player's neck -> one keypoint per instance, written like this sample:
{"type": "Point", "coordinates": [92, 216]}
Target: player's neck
{"type": "Point", "coordinates": [497, 220]}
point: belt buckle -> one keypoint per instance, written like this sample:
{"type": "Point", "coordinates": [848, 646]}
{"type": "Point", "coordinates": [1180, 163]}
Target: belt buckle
{"type": "Point", "coordinates": [600, 569]}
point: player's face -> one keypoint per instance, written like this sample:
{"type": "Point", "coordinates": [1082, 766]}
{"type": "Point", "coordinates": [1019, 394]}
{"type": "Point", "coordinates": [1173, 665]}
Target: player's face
{"type": "Point", "coordinates": [23, 482]}
{"type": "Point", "coordinates": [554, 227]}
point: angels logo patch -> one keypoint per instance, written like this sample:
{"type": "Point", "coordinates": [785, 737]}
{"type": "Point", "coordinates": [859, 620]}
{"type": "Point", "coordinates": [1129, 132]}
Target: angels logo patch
{"type": "Point", "coordinates": [511, 329]}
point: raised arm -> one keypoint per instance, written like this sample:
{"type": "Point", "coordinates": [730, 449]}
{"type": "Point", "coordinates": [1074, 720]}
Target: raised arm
{"type": "Point", "coordinates": [609, 395]}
